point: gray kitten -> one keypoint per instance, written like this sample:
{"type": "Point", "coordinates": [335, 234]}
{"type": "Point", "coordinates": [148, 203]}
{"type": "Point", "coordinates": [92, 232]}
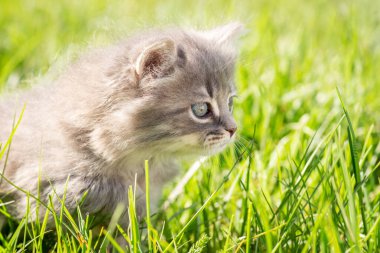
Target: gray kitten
{"type": "Point", "coordinates": [159, 96]}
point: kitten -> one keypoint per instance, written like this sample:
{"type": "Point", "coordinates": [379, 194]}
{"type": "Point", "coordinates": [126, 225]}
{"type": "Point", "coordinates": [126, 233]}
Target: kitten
{"type": "Point", "coordinates": [158, 96]}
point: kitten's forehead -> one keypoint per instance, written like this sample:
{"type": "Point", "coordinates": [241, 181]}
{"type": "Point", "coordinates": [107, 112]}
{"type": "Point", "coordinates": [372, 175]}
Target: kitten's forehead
{"type": "Point", "coordinates": [213, 68]}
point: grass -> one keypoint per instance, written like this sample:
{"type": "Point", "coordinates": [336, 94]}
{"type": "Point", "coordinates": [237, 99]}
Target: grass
{"type": "Point", "coordinates": [304, 173]}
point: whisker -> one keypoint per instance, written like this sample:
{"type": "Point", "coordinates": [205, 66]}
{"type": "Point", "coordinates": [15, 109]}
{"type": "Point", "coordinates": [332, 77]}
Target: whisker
{"type": "Point", "coordinates": [239, 147]}
{"type": "Point", "coordinates": [241, 144]}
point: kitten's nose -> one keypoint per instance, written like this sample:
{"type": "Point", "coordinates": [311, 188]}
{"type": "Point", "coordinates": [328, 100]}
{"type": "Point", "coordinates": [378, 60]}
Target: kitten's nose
{"type": "Point", "coordinates": [231, 130]}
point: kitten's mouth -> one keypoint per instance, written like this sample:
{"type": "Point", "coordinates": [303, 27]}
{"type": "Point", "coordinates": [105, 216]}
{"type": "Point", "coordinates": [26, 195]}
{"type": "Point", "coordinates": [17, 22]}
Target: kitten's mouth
{"type": "Point", "coordinates": [212, 144]}
{"type": "Point", "coordinates": [215, 145]}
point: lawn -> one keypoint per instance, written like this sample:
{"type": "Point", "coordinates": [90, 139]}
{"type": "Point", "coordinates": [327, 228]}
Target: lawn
{"type": "Point", "coordinates": [303, 175]}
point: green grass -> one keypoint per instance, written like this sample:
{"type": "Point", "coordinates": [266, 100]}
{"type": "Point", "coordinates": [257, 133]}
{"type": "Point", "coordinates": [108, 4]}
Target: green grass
{"type": "Point", "coordinates": [304, 173]}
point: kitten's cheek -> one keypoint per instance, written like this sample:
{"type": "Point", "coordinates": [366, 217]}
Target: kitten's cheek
{"type": "Point", "coordinates": [190, 140]}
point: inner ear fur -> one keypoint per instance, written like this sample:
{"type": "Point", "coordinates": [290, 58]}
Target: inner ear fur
{"type": "Point", "coordinates": [157, 58]}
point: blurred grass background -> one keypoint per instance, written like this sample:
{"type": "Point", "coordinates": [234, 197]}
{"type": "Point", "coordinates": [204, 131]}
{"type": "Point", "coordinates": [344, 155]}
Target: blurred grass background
{"type": "Point", "coordinates": [296, 189]}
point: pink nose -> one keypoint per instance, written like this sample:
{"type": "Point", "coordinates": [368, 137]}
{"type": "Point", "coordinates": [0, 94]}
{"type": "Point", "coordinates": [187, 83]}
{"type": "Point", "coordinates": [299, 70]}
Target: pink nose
{"type": "Point", "coordinates": [231, 130]}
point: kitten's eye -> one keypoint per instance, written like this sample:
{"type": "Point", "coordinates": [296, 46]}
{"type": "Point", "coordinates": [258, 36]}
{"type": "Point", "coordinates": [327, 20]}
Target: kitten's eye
{"type": "Point", "coordinates": [201, 109]}
{"type": "Point", "coordinates": [231, 103]}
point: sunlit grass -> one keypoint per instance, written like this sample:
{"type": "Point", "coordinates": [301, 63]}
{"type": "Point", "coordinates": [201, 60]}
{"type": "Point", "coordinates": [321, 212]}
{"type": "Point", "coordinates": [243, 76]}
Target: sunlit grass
{"type": "Point", "coordinates": [303, 175]}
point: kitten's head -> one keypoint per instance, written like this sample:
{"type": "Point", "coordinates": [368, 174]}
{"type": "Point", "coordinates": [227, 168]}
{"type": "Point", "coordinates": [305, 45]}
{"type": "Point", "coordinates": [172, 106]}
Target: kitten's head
{"type": "Point", "coordinates": [183, 93]}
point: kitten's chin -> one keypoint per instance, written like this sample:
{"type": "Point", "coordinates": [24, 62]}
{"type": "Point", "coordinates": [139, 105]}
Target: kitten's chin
{"type": "Point", "coordinates": [216, 148]}
{"type": "Point", "coordinates": [196, 152]}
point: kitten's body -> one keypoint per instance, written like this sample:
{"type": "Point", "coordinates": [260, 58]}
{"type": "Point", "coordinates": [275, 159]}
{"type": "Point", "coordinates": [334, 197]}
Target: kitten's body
{"type": "Point", "coordinates": [92, 128]}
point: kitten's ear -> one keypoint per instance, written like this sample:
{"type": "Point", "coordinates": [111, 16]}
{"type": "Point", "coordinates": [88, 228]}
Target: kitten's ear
{"type": "Point", "coordinates": [157, 58]}
{"type": "Point", "coordinates": [226, 34]}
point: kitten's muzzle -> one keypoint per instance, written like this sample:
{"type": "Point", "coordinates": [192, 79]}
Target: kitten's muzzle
{"type": "Point", "coordinates": [229, 125]}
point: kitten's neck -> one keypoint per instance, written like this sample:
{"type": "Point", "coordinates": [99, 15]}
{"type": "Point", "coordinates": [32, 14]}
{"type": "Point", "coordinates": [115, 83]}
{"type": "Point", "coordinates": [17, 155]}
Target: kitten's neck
{"type": "Point", "coordinates": [133, 163]}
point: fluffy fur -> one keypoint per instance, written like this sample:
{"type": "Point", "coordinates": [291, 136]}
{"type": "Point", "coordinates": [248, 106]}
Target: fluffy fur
{"type": "Point", "coordinates": [94, 126]}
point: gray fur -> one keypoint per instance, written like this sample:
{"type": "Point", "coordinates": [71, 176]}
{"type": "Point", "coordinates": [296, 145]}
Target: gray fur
{"type": "Point", "coordinates": [93, 127]}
